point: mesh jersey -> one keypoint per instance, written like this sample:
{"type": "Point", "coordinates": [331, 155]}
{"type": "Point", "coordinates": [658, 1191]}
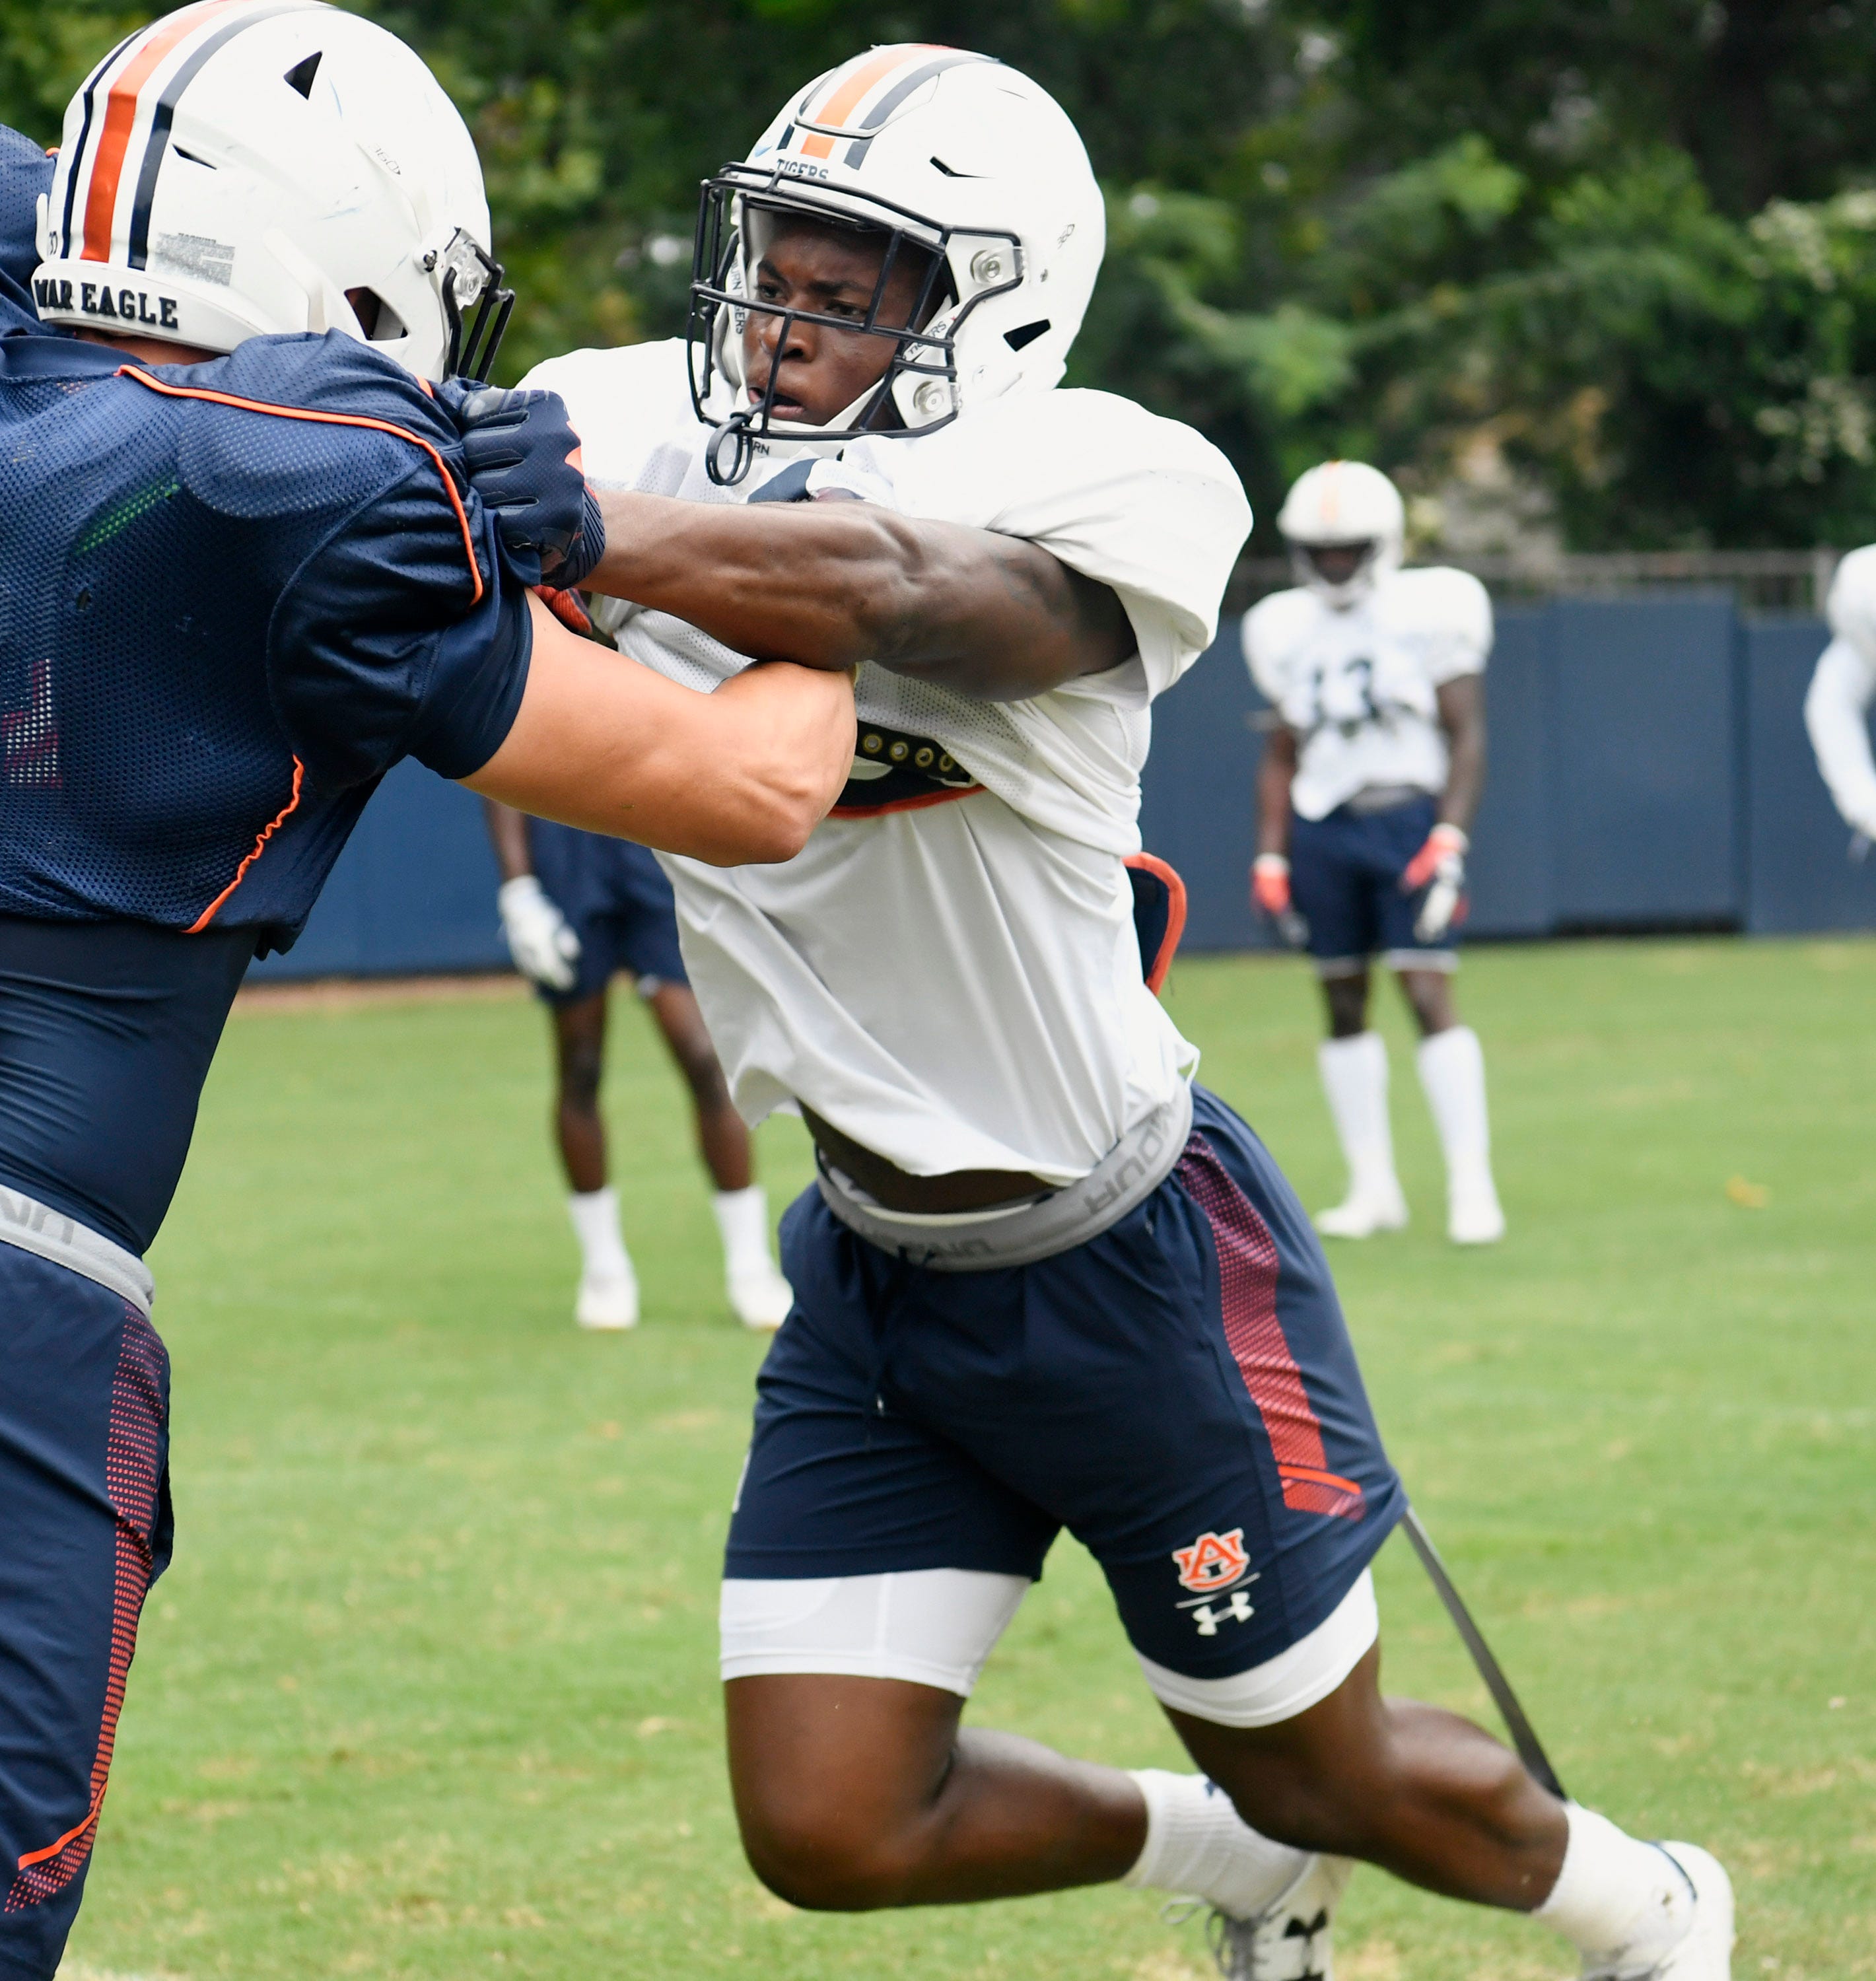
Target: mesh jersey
{"type": "Point", "coordinates": [25, 172]}
{"type": "Point", "coordinates": [232, 594]}
{"type": "Point", "coordinates": [1357, 683]}
{"type": "Point", "coordinates": [949, 972]}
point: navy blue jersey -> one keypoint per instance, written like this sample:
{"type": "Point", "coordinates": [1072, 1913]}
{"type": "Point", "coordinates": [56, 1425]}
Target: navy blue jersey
{"type": "Point", "coordinates": [25, 172]}
{"type": "Point", "coordinates": [235, 594]}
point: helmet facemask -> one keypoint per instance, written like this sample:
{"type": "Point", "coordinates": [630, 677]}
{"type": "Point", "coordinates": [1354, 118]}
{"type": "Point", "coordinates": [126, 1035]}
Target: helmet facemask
{"type": "Point", "coordinates": [918, 387]}
{"type": "Point", "coordinates": [1329, 568]}
{"type": "Point", "coordinates": [471, 282]}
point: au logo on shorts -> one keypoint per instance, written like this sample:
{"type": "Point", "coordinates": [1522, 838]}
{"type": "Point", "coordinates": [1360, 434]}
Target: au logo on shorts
{"type": "Point", "coordinates": [1213, 1561]}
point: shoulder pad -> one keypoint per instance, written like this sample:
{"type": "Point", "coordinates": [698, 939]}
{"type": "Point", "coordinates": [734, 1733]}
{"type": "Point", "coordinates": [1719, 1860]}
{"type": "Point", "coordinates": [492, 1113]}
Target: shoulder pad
{"type": "Point", "coordinates": [1276, 623]}
{"type": "Point", "coordinates": [1437, 597]}
{"type": "Point", "coordinates": [1852, 607]}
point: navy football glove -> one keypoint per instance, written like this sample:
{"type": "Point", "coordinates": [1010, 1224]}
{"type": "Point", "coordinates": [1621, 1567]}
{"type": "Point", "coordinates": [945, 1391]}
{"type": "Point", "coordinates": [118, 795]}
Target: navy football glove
{"type": "Point", "coordinates": [524, 461]}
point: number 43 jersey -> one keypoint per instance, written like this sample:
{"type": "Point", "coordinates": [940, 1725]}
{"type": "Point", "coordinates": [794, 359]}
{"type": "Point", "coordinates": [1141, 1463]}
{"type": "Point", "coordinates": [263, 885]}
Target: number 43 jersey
{"type": "Point", "coordinates": [1358, 684]}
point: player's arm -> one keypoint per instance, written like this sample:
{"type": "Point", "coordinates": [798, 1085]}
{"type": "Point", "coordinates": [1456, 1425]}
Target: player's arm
{"type": "Point", "coordinates": [831, 583]}
{"type": "Point", "coordinates": [741, 777]}
{"type": "Point", "coordinates": [1837, 716]}
{"type": "Point", "coordinates": [508, 833]}
{"type": "Point", "coordinates": [1462, 717]}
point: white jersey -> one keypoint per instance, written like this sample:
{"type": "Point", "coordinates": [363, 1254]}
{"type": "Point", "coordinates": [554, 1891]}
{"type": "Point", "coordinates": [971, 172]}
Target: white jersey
{"type": "Point", "coordinates": [1357, 684]}
{"type": "Point", "coordinates": [952, 980]}
{"type": "Point", "coordinates": [1836, 708]}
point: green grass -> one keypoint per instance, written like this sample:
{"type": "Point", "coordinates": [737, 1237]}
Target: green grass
{"type": "Point", "coordinates": [430, 1689]}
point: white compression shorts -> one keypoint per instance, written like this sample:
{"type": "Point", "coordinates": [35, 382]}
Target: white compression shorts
{"type": "Point", "coordinates": [936, 1626]}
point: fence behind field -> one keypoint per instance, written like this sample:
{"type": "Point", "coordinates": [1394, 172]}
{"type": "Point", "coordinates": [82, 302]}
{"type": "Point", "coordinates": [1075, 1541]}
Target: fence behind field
{"type": "Point", "coordinates": [1649, 770]}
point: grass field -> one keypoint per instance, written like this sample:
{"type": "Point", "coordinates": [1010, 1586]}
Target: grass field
{"type": "Point", "coordinates": [430, 1689]}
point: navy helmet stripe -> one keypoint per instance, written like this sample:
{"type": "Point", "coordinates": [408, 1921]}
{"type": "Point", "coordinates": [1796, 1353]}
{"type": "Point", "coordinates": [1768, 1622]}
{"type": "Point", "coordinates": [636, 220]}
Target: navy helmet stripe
{"type": "Point", "coordinates": [884, 109]}
{"type": "Point", "coordinates": [74, 164]}
{"type": "Point", "coordinates": [165, 117]}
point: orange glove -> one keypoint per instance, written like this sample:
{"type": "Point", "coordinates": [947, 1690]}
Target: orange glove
{"type": "Point", "coordinates": [1445, 843]}
{"type": "Point", "coordinates": [1270, 883]}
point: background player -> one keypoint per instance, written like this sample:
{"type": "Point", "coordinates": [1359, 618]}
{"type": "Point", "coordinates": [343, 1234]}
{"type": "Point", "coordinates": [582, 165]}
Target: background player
{"type": "Point", "coordinates": [576, 909]}
{"type": "Point", "coordinates": [1836, 708]}
{"type": "Point", "coordinates": [1042, 1282]}
{"type": "Point", "coordinates": [1365, 794]}
{"type": "Point", "coordinates": [240, 587]}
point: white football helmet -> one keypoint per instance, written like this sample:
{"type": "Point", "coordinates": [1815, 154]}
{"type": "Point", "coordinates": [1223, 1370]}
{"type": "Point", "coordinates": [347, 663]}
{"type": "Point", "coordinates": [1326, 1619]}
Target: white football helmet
{"type": "Point", "coordinates": [1341, 505]}
{"type": "Point", "coordinates": [237, 167]}
{"type": "Point", "coordinates": [950, 154]}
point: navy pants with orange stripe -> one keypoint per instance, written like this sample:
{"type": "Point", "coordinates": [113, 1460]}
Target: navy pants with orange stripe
{"type": "Point", "coordinates": [85, 1529]}
{"type": "Point", "coordinates": [1180, 1393]}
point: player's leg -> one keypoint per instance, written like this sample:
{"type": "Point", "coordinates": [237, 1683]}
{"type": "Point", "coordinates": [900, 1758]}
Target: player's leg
{"type": "Point", "coordinates": [1451, 1063]}
{"type": "Point", "coordinates": [759, 1296]}
{"type": "Point", "coordinates": [84, 1409]}
{"type": "Point", "coordinates": [608, 1292]}
{"type": "Point", "coordinates": [1334, 893]}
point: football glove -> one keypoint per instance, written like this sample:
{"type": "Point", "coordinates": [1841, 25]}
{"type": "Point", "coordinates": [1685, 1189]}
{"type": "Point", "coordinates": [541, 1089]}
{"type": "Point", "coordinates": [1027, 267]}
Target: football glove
{"type": "Point", "coordinates": [539, 938]}
{"type": "Point", "coordinates": [524, 461]}
{"type": "Point", "coordinates": [1439, 866]}
{"type": "Point", "coordinates": [1270, 891]}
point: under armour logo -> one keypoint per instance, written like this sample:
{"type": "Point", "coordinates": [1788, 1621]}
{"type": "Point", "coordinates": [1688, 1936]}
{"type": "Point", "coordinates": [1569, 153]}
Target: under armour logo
{"type": "Point", "coordinates": [1306, 1930]}
{"type": "Point", "coordinates": [1209, 1615]}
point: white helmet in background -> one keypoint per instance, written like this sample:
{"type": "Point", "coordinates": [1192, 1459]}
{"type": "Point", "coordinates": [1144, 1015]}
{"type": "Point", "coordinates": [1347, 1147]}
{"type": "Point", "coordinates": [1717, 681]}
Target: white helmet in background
{"type": "Point", "coordinates": [243, 167]}
{"type": "Point", "coordinates": [938, 150]}
{"type": "Point", "coordinates": [1341, 506]}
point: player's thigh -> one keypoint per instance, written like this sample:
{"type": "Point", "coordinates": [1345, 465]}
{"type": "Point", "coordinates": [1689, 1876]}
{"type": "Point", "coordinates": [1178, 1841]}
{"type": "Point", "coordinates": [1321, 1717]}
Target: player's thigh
{"type": "Point", "coordinates": [1180, 1392]}
{"type": "Point", "coordinates": [1334, 891]}
{"type": "Point", "coordinates": [83, 1451]}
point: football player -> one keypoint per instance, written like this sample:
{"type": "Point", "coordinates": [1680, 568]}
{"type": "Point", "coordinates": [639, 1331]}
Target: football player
{"type": "Point", "coordinates": [1042, 1281]}
{"type": "Point", "coordinates": [577, 908]}
{"type": "Point", "coordinates": [242, 573]}
{"type": "Point", "coordinates": [1367, 788]}
{"type": "Point", "coordinates": [1836, 708]}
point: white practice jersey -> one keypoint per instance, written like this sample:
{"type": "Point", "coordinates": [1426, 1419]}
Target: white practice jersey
{"type": "Point", "coordinates": [950, 978]}
{"type": "Point", "coordinates": [1836, 708]}
{"type": "Point", "coordinates": [1357, 684]}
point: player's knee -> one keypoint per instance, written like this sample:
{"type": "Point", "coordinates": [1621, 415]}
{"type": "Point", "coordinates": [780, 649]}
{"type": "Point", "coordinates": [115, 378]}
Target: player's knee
{"type": "Point", "coordinates": [581, 1069]}
{"type": "Point", "coordinates": [818, 1850]}
{"type": "Point", "coordinates": [703, 1072]}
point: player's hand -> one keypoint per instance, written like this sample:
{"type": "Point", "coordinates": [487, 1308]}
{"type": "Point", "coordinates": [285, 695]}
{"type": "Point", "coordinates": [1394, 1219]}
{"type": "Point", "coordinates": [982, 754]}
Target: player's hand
{"type": "Point", "coordinates": [1439, 866]}
{"type": "Point", "coordinates": [544, 947]}
{"type": "Point", "coordinates": [1270, 883]}
{"type": "Point", "coordinates": [524, 461]}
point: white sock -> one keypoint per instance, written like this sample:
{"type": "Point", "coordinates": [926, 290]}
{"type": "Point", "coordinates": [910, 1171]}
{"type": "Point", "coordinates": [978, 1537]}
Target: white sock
{"type": "Point", "coordinates": [742, 1218]}
{"type": "Point", "coordinates": [1452, 1069]}
{"type": "Point", "coordinates": [595, 1215]}
{"type": "Point", "coordinates": [1620, 1903]}
{"type": "Point", "coordinates": [1197, 1844]}
{"type": "Point", "coordinates": [1354, 1076]}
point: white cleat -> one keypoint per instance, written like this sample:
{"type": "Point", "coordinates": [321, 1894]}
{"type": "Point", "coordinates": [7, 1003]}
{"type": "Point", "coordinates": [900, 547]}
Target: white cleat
{"type": "Point", "coordinates": [1364, 1212]}
{"type": "Point", "coordinates": [609, 1305]}
{"type": "Point", "coordinates": [760, 1297]}
{"type": "Point", "coordinates": [1706, 1952]}
{"type": "Point", "coordinates": [1290, 1939]}
{"type": "Point", "coordinates": [1473, 1216]}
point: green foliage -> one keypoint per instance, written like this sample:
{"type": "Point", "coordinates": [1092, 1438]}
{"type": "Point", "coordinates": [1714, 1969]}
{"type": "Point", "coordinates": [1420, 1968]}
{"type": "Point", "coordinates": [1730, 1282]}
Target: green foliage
{"type": "Point", "coordinates": [1609, 269]}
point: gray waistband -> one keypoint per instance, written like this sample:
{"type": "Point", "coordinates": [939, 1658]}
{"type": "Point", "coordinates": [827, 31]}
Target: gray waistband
{"type": "Point", "coordinates": [977, 1241]}
{"type": "Point", "coordinates": [1385, 797]}
{"type": "Point", "coordinates": [36, 1227]}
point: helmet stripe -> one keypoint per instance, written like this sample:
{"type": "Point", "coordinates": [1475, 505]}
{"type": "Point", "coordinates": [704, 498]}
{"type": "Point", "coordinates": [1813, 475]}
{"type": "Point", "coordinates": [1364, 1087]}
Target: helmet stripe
{"type": "Point", "coordinates": [884, 109]}
{"type": "Point", "coordinates": [851, 90]}
{"type": "Point", "coordinates": [72, 164]}
{"type": "Point", "coordinates": [120, 115]}
{"type": "Point", "coordinates": [165, 117]}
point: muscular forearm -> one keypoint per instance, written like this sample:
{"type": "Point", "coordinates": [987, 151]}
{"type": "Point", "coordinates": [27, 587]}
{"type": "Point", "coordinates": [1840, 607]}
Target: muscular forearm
{"type": "Point", "coordinates": [1462, 716]}
{"type": "Point", "coordinates": [830, 584]}
{"type": "Point", "coordinates": [1274, 775]}
{"type": "Point", "coordinates": [508, 833]}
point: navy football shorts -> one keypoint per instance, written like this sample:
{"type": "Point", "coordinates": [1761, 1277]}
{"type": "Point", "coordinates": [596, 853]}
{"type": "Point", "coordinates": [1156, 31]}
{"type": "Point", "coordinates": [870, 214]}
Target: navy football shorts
{"type": "Point", "coordinates": [615, 896]}
{"type": "Point", "coordinates": [1345, 882]}
{"type": "Point", "coordinates": [84, 1482]}
{"type": "Point", "coordinates": [1179, 1393]}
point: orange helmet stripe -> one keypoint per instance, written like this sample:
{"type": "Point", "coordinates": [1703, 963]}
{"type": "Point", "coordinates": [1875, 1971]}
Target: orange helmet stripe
{"type": "Point", "coordinates": [849, 94]}
{"type": "Point", "coordinates": [120, 115]}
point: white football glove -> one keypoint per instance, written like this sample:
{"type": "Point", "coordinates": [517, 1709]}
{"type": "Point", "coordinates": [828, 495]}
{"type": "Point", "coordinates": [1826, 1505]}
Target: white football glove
{"type": "Point", "coordinates": [544, 948]}
{"type": "Point", "coordinates": [1439, 866]}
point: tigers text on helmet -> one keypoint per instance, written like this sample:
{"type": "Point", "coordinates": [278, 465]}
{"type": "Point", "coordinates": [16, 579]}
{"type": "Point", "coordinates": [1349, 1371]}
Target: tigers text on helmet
{"type": "Point", "coordinates": [1341, 507]}
{"type": "Point", "coordinates": [960, 167]}
{"type": "Point", "coordinates": [244, 166]}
